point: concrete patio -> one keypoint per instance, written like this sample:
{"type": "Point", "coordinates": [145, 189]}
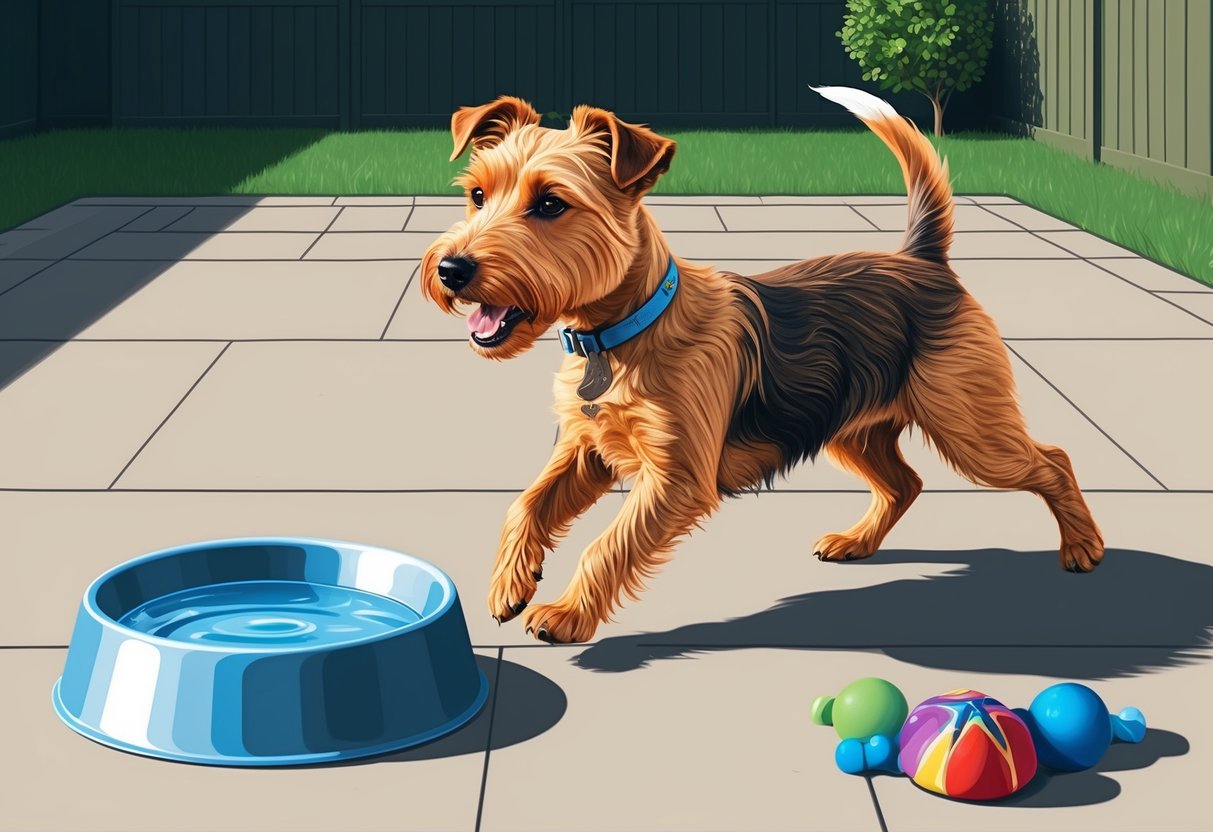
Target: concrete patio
{"type": "Point", "coordinates": [179, 369]}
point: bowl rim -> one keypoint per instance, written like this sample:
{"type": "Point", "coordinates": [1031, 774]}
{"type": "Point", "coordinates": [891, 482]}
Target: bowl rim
{"type": "Point", "coordinates": [89, 601]}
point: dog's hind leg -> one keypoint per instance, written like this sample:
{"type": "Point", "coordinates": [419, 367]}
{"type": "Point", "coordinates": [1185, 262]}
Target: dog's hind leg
{"type": "Point", "coordinates": [871, 452]}
{"type": "Point", "coordinates": [575, 477]}
{"type": "Point", "coordinates": [963, 397]}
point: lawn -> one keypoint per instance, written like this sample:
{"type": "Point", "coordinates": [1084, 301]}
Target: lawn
{"type": "Point", "coordinates": [42, 171]}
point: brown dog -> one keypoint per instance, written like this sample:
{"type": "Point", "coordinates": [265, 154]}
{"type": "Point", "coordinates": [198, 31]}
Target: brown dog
{"type": "Point", "coordinates": [699, 384]}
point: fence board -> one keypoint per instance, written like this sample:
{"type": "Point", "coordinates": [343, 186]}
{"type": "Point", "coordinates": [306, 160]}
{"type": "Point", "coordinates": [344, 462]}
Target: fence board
{"type": "Point", "coordinates": [1200, 88]}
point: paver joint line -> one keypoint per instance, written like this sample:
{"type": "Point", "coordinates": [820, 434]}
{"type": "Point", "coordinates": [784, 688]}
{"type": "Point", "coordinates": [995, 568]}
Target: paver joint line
{"type": "Point", "coordinates": [170, 414]}
{"type": "Point", "coordinates": [488, 746]}
{"type": "Point", "coordinates": [1088, 418]}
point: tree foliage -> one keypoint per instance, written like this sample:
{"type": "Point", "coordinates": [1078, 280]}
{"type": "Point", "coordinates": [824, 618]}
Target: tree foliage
{"type": "Point", "coordinates": [935, 47]}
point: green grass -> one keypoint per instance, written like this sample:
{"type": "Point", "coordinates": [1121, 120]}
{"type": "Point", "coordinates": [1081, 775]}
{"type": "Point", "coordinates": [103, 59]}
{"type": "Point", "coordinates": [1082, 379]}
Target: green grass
{"type": "Point", "coordinates": [42, 171]}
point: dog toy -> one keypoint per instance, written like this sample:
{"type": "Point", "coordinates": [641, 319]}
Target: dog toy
{"type": "Point", "coordinates": [967, 745]}
{"type": "Point", "coordinates": [877, 753]}
{"type": "Point", "coordinates": [1072, 728]}
{"type": "Point", "coordinates": [863, 709]}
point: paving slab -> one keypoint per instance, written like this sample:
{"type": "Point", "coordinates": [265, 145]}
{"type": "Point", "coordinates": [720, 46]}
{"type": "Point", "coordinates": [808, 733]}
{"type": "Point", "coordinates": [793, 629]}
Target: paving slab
{"type": "Point", "coordinates": [699, 199]}
{"type": "Point", "coordinates": [1010, 244]}
{"type": "Point", "coordinates": [283, 218]}
{"type": "Point", "coordinates": [948, 558]}
{"type": "Point", "coordinates": [78, 417]}
{"type": "Point", "coordinates": [1150, 275]}
{"type": "Point", "coordinates": [373, 218]}
{"type": "Point", "coordinates": [1132, 389]}
{"type": "Point", "coordinates": [1070, 299]}
{"type": "Point", "coordinates": [13, 272]}
{"type": "Point", "coordinates": [159, 218]}
{"type": "Point", "coordinates": [793, 218]}
{"type": "Point", "coordinates": [686, 217]}
{"type": "Point", "coordinates": [726, 745]}
{"type": "Point", "coordinates": [374, 200]}
{"type": "Point", "coordinates": [797, 245]}
{"type": "Point", "coordinates": [433, 788]}
{"type": "Point", "coordinates": [1029, 218]}
{"type": "Point", "coordinates": [69, 296]}
{"type": "Point", "coordinates": [370, 245]}
{"type": "Point", "coordinates": [65, 230]}
{"type": "Point", "coordinates": [176, 245]}
{"type": "Point", "coordinates": [341, 415]}
{"type": "Point", "coordinates": [1084, 244]}
{"type": "Point", "coordinates": [436, 218]}
{"type": "Point", "coordinates": [1198, 303]}
{"type": "Point", "coordinates": [242, 300]}
{"type": "Point", "coordinates": [965, 218]}
{"type": "Point", "coordinates": [296, 200]}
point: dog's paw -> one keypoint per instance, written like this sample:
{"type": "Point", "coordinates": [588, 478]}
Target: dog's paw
{"type": "Point", "coordinates": [510, 594]}
{"type": "Point", "coordinates": [842, 547]}
{"type": "Point", "coordinates": [1082, 556]}
{"type": "Point", "coordinates": [559, 624]}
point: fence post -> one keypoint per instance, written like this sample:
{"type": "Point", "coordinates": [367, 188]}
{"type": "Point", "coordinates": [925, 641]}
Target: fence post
{"type": "Point", "coordinates": [1096, 74]}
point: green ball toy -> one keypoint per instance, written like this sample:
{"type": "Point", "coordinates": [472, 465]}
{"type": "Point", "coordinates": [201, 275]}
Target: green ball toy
{"type": "Point", "coordinates": [865, 708]}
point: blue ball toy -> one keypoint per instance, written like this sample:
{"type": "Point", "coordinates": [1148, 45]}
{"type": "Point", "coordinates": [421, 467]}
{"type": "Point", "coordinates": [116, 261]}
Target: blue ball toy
{"type": "Point", "coordinates": [1071, 726]}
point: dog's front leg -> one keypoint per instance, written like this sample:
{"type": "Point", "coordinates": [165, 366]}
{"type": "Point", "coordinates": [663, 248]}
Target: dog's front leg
{"type": "Point", "coordinates": [658, 510]}
{"type": "Point", "coordinates": [575, 477]}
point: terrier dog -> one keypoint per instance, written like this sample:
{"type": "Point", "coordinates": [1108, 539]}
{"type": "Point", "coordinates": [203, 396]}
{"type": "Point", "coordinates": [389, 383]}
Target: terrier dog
{"type": "Point", "coordinates": [700, 384]}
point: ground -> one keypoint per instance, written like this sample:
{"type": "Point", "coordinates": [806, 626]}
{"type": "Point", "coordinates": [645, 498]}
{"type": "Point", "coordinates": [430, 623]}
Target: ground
{"type": "Point", "coordinates": [175, 370]}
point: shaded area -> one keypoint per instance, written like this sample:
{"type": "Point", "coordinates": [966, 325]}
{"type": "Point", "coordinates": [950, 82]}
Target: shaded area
{"type": "Point", "coordinates": [1016, 100]}
{"type": "Point", "coordinates": [522, 705]}
{"type": "Point", "coordinates": [1139, 612]}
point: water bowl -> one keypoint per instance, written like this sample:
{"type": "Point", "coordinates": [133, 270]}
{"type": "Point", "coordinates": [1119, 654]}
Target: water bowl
{"type": "Point", "coordinates": [269, 651]}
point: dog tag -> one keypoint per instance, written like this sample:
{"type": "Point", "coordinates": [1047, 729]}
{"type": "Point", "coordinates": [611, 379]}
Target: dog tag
{"type": "Point", "coordinates": [597, 376]}
{"type": "Point", "coordinates": [590, 410]}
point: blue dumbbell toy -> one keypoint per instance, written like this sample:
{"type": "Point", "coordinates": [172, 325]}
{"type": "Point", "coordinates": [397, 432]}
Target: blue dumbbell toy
{"type": "Point", "coordinates": [1071, 726]}
{"type": "Point", "coordinates": [877, 753]}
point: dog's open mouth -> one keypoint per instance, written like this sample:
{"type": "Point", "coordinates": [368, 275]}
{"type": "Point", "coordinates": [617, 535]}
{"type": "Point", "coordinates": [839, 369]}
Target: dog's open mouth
{"type": "Point", "coordinates": [491, 325]}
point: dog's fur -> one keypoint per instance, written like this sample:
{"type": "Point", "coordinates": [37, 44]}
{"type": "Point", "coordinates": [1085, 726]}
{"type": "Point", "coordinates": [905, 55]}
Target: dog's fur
{"type": "Point", "coordinates": [741, 377]}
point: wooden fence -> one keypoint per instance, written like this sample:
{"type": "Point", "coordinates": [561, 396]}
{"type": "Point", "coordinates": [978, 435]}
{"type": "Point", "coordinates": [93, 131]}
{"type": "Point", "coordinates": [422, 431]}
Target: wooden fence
{"type": "Point", "coordinates": [1126, 81]}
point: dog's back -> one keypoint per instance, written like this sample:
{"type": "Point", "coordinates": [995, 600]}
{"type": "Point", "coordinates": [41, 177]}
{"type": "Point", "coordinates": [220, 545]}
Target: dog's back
{"type": "Point", "coordinates": [833, 337]}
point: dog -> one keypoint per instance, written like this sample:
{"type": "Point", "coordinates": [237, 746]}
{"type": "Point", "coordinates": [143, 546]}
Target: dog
{"type": "Point", "coordinates": [700, 384]}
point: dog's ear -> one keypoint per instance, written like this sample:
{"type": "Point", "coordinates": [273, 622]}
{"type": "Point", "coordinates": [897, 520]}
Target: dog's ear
{"type": "Point", "coordinates": [488, 124]}
{"type": "Point", "coordinates": [638, 155]}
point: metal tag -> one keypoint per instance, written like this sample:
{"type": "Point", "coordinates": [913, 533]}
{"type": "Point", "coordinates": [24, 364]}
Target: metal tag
{"type": "Point", "coordinates": [597, 376]}
{"type": "Point", "coordinates": [590, 410]}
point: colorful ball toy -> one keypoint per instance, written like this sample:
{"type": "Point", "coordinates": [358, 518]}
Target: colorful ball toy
{"type": "Point", "coordinates": [1072, 728]}
{"type": "Point", "coordinates": [863, 709]}
{"type": "Point", "coordinates": [966, 745]}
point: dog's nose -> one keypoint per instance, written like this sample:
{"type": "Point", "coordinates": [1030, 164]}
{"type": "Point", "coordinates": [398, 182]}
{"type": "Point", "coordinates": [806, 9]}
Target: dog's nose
{"type": "Point", "coordinates": [456, 272]}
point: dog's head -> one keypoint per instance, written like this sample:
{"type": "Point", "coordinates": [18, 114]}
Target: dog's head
{"type": "Point", "coordinates": [551, 219]}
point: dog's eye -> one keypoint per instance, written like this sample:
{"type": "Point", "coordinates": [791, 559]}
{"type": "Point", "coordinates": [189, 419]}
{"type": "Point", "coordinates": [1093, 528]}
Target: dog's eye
{"type": "Point", "coordinates": [478, 197]}
{"type": "Point", "coordinates": [550, 206]}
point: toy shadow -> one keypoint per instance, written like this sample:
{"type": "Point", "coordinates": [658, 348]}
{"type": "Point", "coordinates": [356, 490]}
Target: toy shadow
{"type": "Point", "coordinates": [1053, 789]}
{"type": "Point", "coordinates": [1138, 612]}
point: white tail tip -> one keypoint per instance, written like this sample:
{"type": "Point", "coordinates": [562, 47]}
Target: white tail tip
{"type": "Point", "coordinates": [864, 105]}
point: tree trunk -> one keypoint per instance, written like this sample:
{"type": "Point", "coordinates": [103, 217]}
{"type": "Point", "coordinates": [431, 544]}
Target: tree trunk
{"type": "Point", "coordinates": [938, 107]}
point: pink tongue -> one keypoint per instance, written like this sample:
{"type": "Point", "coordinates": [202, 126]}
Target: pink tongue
{"type": "Point", "coordinates": [485, 319]}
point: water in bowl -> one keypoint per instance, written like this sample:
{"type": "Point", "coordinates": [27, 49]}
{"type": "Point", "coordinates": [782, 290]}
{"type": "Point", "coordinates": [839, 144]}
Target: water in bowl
{"type": "Point", "coordinates": [268, 614]}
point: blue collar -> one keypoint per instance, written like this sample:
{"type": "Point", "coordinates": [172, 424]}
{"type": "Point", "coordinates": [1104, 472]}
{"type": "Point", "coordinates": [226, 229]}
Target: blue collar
{"type": "Point", "coordinates": [600, 340]}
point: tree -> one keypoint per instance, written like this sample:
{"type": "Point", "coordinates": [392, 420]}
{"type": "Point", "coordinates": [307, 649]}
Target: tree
{"type": "Point", "coordinates": [934, 47]}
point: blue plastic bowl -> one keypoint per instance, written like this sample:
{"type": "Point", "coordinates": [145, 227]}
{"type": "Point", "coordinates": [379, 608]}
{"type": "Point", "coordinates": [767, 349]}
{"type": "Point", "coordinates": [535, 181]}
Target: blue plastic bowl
{"type": "Point", "coordinates": [269, 651]}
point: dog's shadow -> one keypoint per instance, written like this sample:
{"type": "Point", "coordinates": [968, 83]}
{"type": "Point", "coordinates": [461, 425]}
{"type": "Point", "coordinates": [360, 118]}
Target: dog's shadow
{"type": "Point", "coordinates": [1136, 613]}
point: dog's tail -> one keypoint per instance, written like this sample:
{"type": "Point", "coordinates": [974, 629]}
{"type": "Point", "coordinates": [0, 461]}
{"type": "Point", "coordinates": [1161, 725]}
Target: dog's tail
{"type": "Point", "coordinates": [929, 231]}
